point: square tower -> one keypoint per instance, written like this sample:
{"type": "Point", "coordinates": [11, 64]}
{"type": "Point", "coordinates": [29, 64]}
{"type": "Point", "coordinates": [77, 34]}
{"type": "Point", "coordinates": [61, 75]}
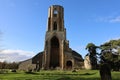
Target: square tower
{"type": "Point", "coordinates": [54, 40]}
{"type": "Point", "coordinates": [57, 53]}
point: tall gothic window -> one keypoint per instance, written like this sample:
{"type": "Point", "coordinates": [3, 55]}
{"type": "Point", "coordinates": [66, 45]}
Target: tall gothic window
{"type": "Point", "coordinates": [55, 26]}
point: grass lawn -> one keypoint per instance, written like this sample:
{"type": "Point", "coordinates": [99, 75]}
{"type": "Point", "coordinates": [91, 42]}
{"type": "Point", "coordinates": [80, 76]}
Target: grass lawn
{"type": "Point", "coordinates": [57, 75]}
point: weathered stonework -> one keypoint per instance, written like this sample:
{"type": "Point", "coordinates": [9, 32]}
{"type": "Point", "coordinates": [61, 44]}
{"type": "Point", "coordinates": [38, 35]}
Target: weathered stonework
{"type": "Point", "coordinates": [57, 53]}
{"type": "Point", "coordinates": [87, 62]}
{"type": "Point", "coordinates": [26, 65]}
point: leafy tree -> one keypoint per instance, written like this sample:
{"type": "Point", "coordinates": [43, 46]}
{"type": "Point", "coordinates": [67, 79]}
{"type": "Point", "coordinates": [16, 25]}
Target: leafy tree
{"type": "Point", "coordinates": [92, 53]}
{"type": "Point", "coordinates": [110, 53]}
{"type": "Point", "coordinates": [91, 48]}
{"type": "Point", "coordinates": [5, 65]}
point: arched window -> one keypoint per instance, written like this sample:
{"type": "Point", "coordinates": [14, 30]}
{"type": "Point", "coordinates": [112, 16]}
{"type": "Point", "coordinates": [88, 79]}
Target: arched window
{"type": "Point", "coordinates": [55, 26]}
{"type": "Point", "coordinates": [54, 53]}
{"type": "Point", "coordinates": [55, 13]}
{"type": "Point", "coordinates": [69, 64]}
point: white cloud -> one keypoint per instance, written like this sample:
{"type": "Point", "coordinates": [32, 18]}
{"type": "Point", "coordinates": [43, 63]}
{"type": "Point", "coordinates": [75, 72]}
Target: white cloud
{"type": "Point", "coordinates": [15, 55]}
{"type": "Point", "coordinates": [110, 19]}
{"type": "Point", "coordinates": [115, 19]}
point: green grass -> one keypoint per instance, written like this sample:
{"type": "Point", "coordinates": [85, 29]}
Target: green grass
{"type": "Point", "coordinates": [57, 75]}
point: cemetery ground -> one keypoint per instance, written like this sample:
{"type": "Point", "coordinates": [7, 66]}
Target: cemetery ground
{"type": "Point", "coordinates": [55, 75]}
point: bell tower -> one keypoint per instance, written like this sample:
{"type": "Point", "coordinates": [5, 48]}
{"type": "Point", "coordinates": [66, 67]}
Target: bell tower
{"type": "Point", "coordinates": [57, 54]}
{"type": "Point", "coordinates": [53, 56]}
{"type": "Point", "coordinates": [56, 18]}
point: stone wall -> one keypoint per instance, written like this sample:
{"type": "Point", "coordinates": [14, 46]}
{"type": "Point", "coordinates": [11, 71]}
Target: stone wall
{"type": "Point", "coordinates": [87, 62]}
{"type": "Point", "coordinates": [26, 65]}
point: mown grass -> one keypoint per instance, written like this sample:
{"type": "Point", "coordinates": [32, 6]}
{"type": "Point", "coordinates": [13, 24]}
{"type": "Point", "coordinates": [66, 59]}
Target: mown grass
{"type": "Point", "coordinates": [56, 75]}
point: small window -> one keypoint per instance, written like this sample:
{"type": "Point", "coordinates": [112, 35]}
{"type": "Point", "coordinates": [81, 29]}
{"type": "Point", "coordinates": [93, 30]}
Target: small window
{"type": "Point", "coordinates": [55, 13]}
{"type": "Point", "coordinates": [55, 26]}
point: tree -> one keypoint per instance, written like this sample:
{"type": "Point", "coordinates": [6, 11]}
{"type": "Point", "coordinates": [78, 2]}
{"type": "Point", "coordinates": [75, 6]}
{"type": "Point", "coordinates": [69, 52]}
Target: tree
{"type": "Point", "coordinates": [6, 65]}
{"type": "Point", "coordinates": [92, 53]}
{"type": "Point", "coordinates": [110, 53]}
{"type": "Point", "coordinates": [91, 48]}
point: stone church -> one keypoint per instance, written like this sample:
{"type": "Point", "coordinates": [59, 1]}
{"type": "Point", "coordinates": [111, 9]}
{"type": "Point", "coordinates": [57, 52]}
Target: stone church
{"type": "Point", "coordinates": [56, 54]}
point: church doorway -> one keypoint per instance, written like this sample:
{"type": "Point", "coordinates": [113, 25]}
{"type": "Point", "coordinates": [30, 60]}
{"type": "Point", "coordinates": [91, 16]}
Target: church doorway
{"type": "Point", "coordinates": [69, 64]}
{"type": "Point", "coordinates": [54, 53]}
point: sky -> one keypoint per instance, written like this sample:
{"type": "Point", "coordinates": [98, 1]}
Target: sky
{"type": "Point", "coordinates": [23, 24]}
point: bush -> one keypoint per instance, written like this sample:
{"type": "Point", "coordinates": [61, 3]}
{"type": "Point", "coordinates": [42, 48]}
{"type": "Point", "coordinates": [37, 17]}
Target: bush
{"type": "Point", "coordinates": [2, 71]}
{"type": "Point", "coordinates": [13, 70]}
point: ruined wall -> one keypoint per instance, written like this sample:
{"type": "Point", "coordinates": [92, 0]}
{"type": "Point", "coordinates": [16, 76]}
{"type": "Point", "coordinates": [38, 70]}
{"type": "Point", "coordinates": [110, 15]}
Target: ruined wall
{"type": "Point", "coordinates": [87, 62]}
{"type": "Point", "coordinates": [75, 60]}
{"type": "Point", "coordinates": [57, 52]}
{"type": "Point", "coordinates": [26, 65]}
{"type": "Point", "coordinates": [37, 59]}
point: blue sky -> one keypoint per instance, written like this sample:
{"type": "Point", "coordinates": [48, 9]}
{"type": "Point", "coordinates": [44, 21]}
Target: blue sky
{"type": "Point", "coordinates": [23, 25]}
